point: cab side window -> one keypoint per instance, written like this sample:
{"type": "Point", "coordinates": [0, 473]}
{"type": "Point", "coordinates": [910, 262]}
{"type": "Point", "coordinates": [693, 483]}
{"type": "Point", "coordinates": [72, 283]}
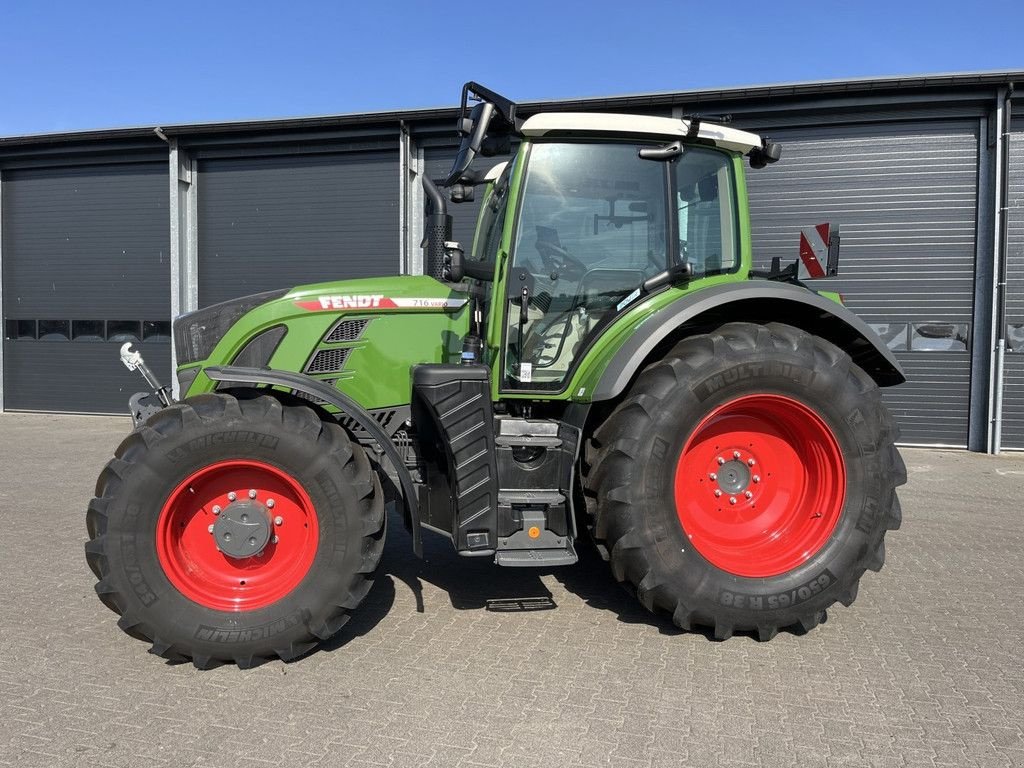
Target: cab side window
{"type": "Point", "coordinates": [707, 215]}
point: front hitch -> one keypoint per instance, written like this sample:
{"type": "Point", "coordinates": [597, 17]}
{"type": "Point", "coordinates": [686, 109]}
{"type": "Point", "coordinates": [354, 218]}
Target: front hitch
{"type": "Point", "coordinates": [142, 405]}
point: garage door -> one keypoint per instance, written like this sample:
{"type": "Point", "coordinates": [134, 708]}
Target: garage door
{"type": "Point", "coordinates": [277, 222]}
{"type": "Point", "coordinates": [85, 268]}
{"type": "Point", "coordinates": [906, 198]}
{"type": "Point", "coordinates": [1013, 388]}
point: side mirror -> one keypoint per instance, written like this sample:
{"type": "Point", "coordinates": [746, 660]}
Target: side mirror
{"type": "Point", "coordinates": [762, 156]}
{"type": "Point", "coordinates": [473, 130]}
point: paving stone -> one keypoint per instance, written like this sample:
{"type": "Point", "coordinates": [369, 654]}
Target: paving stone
{"type": "Point", "coordinates": [926, 669]}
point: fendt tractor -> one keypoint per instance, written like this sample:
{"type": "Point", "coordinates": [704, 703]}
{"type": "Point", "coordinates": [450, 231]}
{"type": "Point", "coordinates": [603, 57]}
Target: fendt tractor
{"type": "Point", "coordinates": [603, 360]}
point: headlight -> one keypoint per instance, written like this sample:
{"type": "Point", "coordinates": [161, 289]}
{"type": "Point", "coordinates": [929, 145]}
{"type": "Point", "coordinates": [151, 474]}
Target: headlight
{"type": "Point", "coordinates": [197, 333]}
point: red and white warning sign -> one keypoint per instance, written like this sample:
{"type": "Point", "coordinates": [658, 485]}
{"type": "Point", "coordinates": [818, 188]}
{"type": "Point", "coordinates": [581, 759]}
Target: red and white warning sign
{"type": "Point", "coordinates": [819, 251]}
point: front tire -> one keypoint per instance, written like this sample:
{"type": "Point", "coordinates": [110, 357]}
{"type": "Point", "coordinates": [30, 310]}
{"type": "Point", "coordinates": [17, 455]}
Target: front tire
{"type": "Point", "coordinates": [747, 480]}
{"type": "Point", "coordinates": [228, 530]}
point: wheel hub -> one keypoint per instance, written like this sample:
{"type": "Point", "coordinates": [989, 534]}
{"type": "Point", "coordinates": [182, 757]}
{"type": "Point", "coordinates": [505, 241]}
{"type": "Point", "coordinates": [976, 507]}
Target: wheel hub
{"type": "Point", "coordinates": [733, 477]}
{"type": "Point", "coordinates": [242, 529]}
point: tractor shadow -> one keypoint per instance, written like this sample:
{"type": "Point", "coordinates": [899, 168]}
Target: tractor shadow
{"type": "Point", "coordinates": [478, 584]}
{"type": "Point", "coordinates": [473, 584]}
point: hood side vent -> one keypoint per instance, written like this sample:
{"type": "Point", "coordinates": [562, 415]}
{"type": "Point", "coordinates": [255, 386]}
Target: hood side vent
{"type": "Point", "coordinates": [328, 361]}
{"type": "Point", "coordinates": [346, 330]}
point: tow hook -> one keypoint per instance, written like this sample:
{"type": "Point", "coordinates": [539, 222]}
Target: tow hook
{"type": "Point", "coordinates": [144, 404]}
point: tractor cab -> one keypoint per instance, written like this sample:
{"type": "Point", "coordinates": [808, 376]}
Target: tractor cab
{"type": "Point", "coordinates": [594, 212]}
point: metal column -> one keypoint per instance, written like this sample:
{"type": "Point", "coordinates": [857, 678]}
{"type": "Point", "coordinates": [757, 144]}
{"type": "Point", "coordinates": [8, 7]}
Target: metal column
{"type": "Point", "coordinates": [4, 335]}
{"type": "Point", "coordinates": [998, 294]}
{"type": "Point", "coordinates": [184, 238]}
{"type": "Point", "coordinates": [412, 223]}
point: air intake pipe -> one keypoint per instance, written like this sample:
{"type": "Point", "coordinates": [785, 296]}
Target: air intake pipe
{"type": "Point", "coordinates": [437, 230]}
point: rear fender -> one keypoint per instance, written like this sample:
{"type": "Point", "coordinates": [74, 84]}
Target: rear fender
{"type": "Point", "coordinates": [756, 301]}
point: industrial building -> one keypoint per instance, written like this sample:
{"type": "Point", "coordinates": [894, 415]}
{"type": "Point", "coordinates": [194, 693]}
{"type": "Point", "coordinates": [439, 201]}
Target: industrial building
{"type": "Point", "coordinates": [107, 235]}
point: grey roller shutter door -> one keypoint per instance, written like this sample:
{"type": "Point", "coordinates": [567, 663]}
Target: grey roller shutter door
{"type": "Point", "coordinates": [1013, 369]}
{"type": "Point", "coordinates": [85, 261]}
{"type": "Point", "coordinates": [906, 198]}
{"type": "Point", "coordinates": [278, 222]}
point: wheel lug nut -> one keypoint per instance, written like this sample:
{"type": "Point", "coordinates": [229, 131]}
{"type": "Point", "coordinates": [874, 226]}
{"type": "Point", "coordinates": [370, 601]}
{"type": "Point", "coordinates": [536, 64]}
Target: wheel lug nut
{"type": "Point", "coordinates": [232, 496]}
{"type": "Point", "coordinates": [717, 494]}
{"type": "Point", "coordinates": [713, 476]}
{"type": "Point", "coordinates": [274, 540]}
{"type": "Point", "coordinates": [721, 461]}
{"type": "Point", "coordinates": [270, 503]}
{"type": "Point", "coordinates": [732, 499]}
{"type": "Point", "coordinates": [216, 509]}
{"type": "Point", "coordinates": [756, 478]}
{"type": "Point", "coordinates": [210, 529]}
{"type": "Point", "coordinates": [748, 494]}
{"type": "Point", "coordinates": [751, 462]}
{"type": "Point", "coordinates": [735, 454]}
{"type": "Point", "coordinates": [278, 520]}
{"type": "Point", "coordinates": [252, 493]}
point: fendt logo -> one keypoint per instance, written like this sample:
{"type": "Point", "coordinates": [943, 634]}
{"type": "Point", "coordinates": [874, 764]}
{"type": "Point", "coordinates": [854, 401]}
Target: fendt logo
{"type": "Point", "coordinates": [358, 301]}
{"type": "Point", "coordinates": [350, 302]}
{"type": "Point", "coordinates": [378, 301]}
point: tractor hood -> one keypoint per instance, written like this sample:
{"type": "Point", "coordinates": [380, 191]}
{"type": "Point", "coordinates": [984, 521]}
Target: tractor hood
{"type": "Point", "coordinates": [362, 336]}
{"type": "Point", "coordinates": [410, 293]}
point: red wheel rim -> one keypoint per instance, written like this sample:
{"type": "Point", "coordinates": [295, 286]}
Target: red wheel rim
{"type": "Point", "coordinates": [188, 552]}
{"type": "Point", "coordinates": [760, 485]}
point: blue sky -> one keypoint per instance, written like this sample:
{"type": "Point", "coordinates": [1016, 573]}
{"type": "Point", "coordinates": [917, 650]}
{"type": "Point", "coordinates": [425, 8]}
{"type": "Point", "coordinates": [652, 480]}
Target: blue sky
{"type": "Point", "coordinates": [70, 66]}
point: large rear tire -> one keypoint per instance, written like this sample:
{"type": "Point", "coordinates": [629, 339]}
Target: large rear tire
{"type": "Point", "coordinates": [747, 480]}
{"type": "Point", "coordinates": [228, 530]}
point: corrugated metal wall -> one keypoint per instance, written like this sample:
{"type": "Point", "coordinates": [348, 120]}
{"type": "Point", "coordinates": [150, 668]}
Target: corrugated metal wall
{"type": "Point", "coordinates": [277, 222]}
{"type": "Point", "coordinates": [906, 198]}
{"type": "Point", "coordinates": [85, 248]}
{"type": "Point", "coordinates": [1013, 392]}
{"type": "Point", "coordinates": [85, 267]}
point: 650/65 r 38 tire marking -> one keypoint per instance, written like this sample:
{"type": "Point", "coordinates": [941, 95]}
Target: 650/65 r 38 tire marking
{"type": "Point", "coordinates": [187, 541]}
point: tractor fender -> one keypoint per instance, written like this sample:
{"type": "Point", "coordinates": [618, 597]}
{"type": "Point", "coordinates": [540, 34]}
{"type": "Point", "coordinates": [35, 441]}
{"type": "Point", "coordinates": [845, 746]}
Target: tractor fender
{"type": "Point", "coordinates": [352, 409]}
{"type": "Point", "coordinates": [758, 301]}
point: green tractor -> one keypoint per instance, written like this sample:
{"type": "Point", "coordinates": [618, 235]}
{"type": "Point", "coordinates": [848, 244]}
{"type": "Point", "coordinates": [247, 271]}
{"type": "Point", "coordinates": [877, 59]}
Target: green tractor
{"type": "Point", "coordinates": [604, 358]}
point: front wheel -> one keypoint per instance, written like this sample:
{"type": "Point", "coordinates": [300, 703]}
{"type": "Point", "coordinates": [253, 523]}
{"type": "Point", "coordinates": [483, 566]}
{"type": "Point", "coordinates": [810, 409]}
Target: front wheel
{"type": "Point", "coordinates": [228, 530]}
{"type": "Point", "coordinates": [747, 480]}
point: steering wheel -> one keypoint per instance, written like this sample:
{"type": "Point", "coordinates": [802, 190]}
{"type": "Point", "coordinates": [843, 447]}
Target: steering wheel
{"type": "Point", "coordinates": [556, 258]}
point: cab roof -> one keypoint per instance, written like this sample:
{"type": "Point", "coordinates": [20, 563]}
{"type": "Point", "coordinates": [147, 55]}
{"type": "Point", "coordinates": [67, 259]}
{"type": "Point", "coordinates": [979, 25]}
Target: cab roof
{"type": "Point", "coordinates": [671, 128]}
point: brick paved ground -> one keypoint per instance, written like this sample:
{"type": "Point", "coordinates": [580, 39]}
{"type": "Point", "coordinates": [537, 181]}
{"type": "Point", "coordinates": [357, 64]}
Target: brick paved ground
{"type": "Point", "coordinates": [925, 669]}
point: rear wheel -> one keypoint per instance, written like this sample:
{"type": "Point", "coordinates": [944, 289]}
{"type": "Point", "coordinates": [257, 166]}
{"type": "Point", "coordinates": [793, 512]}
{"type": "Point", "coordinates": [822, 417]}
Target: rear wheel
{"type": "Point", "coordinates": [747, 480]}
{"type": "Point", "coordinates": [229, 530]}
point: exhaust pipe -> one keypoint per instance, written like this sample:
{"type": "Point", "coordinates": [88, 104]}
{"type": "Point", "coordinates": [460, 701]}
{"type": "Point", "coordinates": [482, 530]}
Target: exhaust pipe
{"type": "Point", "coordinates": [437, 228]}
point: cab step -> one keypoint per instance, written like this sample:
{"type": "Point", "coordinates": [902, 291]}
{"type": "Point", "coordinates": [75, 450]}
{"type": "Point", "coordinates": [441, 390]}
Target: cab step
{"type": "Point", "coordinates": [534, 544]}
{"type": "Point", "coordinates": [532, 558]}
